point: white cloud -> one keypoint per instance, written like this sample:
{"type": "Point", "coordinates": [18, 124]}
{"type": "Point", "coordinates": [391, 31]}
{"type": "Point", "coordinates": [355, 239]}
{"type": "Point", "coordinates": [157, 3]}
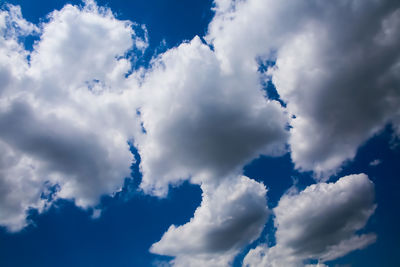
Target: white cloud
{"type": "Point", "coordinates": [230, 216]}
{"type": "Point", "coordinates": [13, 64]}
{"type": "Point", "coordinates": [200, 123]}
{"type": "Point", "coordinates": [66, 117]}
{"type": "Point", "coordinates": [319, 222]}
{"type": "Point", "coordinates": [336, 68]}
{"type": "Point", "coordinates": [67, 111]}
{"type": "Point", "coordinates": [79, 46]}
{"type": "Point", "coordinates": [20, 188]}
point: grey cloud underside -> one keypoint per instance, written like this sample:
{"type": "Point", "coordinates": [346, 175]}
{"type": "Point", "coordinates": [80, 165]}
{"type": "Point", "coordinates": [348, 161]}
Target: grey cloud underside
{"type": "Point", "coordinates": [330, 223]}
{"type": "Point", "coordinates": [230, 234]}
{"type": "Point", "coordinates": [59, 146]}
{"type": "Point", "coordinates": [50, 141]}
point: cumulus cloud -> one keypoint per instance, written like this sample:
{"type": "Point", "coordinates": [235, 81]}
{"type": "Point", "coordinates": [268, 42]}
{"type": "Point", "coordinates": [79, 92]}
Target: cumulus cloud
{"type": "Point", "coordinates": [64, 115]}
{"type": "Point", "coordinates": [230, 216]}
{"type": "Point", "coordinates": [337, 68]}
{"type": "Point", "coordinates": [203, 124]}
{"type": "Point", "coordinates": [68, 109]}
{"type": "Point", "coordinates": [319, 222]}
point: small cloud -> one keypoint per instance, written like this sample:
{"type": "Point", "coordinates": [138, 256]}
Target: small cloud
{"type": "Point", "coordinates": [375, 162]}
{"type": "Point", "coordinates": [160, 263]}
{"type": "Point", "coordinates": [96, 214]}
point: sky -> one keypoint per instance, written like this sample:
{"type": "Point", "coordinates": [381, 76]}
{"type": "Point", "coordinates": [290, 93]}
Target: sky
{"type": "Point", "coordinates": [199, 133]}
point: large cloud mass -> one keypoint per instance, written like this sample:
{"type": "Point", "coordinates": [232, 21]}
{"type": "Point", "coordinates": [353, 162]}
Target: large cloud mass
{"type": "Point", "coordinates": [62, 121]}
{"type": "Point", "coordinates": [201, 123]}
{"type": "Point", "coordinates": [337, 68]}
{"type": "Point", "coordinates": [69, 107]}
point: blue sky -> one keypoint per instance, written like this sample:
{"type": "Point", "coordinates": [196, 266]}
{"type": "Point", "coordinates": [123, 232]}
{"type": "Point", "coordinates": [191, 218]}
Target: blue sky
{"type": "Point", "coordinates": [199, 133]}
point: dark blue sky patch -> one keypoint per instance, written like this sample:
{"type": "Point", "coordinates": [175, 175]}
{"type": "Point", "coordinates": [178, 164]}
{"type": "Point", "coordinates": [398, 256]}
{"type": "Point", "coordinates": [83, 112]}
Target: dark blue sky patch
{"type": "Point", "coordinates": [34, 12]}
{"type": "Point", "coordinates": [386, 219]}
{"type": "Point", "coordinates": [168, 22]}
{"type": "Point", "coordinates": [67, 236]}
{"type": "Point", "coordinates": [278, 174]}
{"type": "Point", "coordinates": [266, 80]}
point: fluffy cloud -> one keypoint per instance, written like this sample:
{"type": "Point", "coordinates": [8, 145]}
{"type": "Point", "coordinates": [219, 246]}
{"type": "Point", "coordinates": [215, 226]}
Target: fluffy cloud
{"type": "Point", "coordinates": [13, 64]}
{"type": "Point", "coordinates": [20, 188]}
{"type": "Point", "coordinates": [68, 109]}
{"type": "Point", "coordinates": [65, 118]}
{"type": "Point", "coordinates": [353, 85]}
{"type": "Point", "coordinates": [337, 68]}
{"type": "Point", "coordinates": [201, 123]}
{"type": "Point", "coordinates": [229, 217]}
{"type": "Point", "coordinates": [319, 223]}
{"type": "Point", "coordinates": [82, 46]}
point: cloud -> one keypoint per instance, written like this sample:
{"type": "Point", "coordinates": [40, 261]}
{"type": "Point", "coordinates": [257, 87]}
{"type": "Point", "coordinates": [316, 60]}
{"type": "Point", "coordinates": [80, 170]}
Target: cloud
{"type": "Point", "coordinates": [65, 117]}
{"type": "Point", "coordinates": [199, 113]}
{"type": "Point", "coordinates": [13, 64]}
{"type": "Point", "coordinates": [68, 109]}
{"type": "Point", "coordinates": [82, 46]}
{"type": "Point", "coordinates": [19, 188]}
{"type": "Point", "coordinates": [200, 123]}
{"type": "Point", "coordinates": [337, 68]}
{"type": "Point", "coordinates": [230, 216]}
{"type": "Point", "coordinates": [375, 162]}
{"type": "Point", "coordinates": [319, 222]}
